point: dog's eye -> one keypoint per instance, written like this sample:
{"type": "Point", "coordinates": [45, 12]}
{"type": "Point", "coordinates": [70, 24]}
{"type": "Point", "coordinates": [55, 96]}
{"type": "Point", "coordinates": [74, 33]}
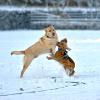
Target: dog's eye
{"type": "Point", "coordinates": [49, 30]}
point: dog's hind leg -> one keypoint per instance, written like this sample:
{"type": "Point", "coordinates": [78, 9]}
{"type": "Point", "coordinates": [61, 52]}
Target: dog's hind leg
{"type": "Point", "coordinates": [17, 52]}
{"type": "Point", "coordinates": [71, 72]}
{"type": "Point", "coordinates": [27, 61]}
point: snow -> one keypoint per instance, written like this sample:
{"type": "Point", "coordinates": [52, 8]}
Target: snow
{"type": "Point", "coordinates": [46, 80]}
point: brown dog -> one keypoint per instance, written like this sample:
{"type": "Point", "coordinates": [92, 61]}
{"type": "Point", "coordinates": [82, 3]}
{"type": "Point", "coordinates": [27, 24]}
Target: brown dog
{"type": "Point", "coordinates": [46, 44]}
{"type": "Point", "coordinates": [62, 57]}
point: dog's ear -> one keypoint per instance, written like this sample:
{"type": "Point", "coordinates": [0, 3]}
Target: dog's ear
{"type": "Point", "coordinates": [46, 26]}
{"type": "Point", "coordinates": [45, 30]}
{"type": "Point", "coordinates": [58, 43]}
{"type": "Point", "coordinates": [64, 40]}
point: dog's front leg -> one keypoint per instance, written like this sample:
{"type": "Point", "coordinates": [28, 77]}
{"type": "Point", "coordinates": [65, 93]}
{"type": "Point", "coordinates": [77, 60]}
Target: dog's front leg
{"type": "Point", "coordinates": [51, 55]}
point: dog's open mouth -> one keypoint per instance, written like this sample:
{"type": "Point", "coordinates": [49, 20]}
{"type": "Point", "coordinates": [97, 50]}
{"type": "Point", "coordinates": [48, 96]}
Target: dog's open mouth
{"type": "Point", "coordinates": [53, 34]}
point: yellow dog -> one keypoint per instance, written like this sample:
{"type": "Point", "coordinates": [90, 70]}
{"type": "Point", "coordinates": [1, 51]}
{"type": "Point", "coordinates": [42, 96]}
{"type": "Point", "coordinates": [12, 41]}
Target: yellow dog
{"type": "Point", "coordinates": [44, 45]}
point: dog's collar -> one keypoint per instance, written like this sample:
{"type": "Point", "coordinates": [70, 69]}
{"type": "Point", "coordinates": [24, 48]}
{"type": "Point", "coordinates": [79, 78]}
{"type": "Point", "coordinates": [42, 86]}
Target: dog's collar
{"type": "Point", "coordinates": [65, 54]}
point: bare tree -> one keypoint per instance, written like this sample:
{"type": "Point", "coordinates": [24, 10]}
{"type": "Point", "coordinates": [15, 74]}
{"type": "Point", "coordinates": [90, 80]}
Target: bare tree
{"type": "Point", "coordinates": [9, 2]}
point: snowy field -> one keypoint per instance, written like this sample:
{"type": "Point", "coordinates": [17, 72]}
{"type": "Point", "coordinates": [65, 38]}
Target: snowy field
{"type": "Point", "coordinates": [46, 80]}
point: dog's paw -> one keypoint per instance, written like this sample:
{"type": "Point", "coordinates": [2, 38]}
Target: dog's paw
{"type": "Point", "coordinates": [71, 73]}
{"type": "Point", "coordinates": [49, 58]}
{"type": "Point", "coordinates": [11, 53]}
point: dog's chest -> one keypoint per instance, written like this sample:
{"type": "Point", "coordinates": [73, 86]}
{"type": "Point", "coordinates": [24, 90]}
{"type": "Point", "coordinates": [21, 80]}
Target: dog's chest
{"type": "Point", "coordinates": [59, 54]}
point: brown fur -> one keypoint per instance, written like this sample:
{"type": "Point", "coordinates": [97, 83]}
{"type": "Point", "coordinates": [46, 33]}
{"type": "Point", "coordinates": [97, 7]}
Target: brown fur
{"type": "Point", "coordinates": [46, 44]}
{"type": "Point", "coordinates": [67, 63]}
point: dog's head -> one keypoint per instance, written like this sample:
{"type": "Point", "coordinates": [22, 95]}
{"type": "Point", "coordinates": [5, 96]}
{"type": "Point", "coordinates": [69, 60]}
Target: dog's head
{"type": "Point", "coordinates": [50, 32]}
{"type": "Point", "coordinates": [63, 45]}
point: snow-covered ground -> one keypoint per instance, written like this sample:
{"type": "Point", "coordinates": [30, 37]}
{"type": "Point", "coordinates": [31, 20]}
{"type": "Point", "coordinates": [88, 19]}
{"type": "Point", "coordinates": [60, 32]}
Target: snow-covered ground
{"type": "Point", "coordinates": [46, 80]}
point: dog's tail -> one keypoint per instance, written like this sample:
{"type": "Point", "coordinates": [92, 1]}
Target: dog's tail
{"type": "Point", "coordinates": [17, 52]}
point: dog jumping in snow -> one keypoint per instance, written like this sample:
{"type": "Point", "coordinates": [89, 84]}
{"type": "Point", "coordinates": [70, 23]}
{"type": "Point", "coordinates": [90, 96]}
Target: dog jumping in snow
{"type": "Point", "coordinates": [62, 57]}
{"type": "Point", "coordinates": [45, 44]}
